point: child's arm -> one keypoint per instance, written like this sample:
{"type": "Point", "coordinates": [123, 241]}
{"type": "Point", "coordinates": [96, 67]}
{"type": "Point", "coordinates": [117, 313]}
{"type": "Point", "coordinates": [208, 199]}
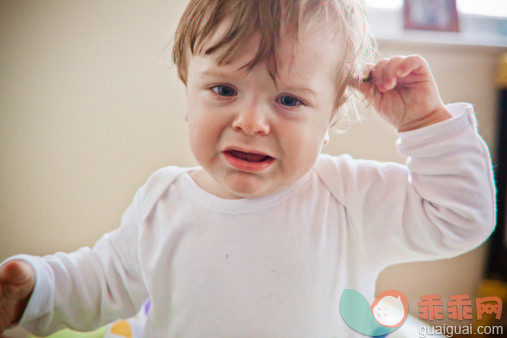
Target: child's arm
{"type": "Point", "coordinates": [442, 202]}
{"type": "Point", "coordinates": [84, 289]}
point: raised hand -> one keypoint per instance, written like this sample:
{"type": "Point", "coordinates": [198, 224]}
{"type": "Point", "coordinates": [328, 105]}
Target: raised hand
{"type": "Point", "coordinates": [403, 91]}
{"type": "Point", "coordinates": [17, 280]}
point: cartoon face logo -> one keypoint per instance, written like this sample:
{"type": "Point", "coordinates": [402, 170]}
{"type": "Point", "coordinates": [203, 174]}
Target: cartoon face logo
{"type": "Point", "coordinates": [386, 314]}
{"type": "Point", "coordinates": [390, 308]}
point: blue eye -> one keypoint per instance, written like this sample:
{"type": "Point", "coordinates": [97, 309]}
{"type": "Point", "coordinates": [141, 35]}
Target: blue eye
{"type": "Point", "coordinates": [224, 90]}
{"type": "Point", "coordinates": [289, 101]}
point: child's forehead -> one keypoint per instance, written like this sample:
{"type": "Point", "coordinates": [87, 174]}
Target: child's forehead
{"type": "Point", "coordinates": [302, 57]}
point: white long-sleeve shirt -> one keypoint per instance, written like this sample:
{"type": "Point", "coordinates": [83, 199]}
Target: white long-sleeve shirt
{"type": "Point", "coordinates": [274, 266]}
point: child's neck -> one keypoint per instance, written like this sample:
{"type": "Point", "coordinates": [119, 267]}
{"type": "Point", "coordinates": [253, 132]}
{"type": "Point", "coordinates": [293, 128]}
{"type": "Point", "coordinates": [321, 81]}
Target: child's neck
{"type": "Point", "coordinates": [208, 184]}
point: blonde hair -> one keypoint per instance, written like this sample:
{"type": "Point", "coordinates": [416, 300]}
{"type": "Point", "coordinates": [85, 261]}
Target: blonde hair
{"type": "Point", "coordinates": [345, 19]}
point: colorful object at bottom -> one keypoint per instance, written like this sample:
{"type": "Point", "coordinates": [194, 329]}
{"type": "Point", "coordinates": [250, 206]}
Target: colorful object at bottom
{"type": "Point", "coordinates": [129, 328]}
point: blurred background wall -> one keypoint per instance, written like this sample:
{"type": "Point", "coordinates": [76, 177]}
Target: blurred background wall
{"type": "Point", "coordinates": [88, 112]}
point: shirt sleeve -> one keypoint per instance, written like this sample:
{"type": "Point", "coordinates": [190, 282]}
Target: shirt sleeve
{"type": "Point", "coordinates": [439, 205]}
{"type": "Point", "coordinates": [88, 288]}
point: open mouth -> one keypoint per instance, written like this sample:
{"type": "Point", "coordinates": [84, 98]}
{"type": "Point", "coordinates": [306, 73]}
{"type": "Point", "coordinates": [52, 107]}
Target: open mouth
{"type": "Point", "coordinates": [249, 157]}
{"type": "Point", "coordinates": [249, 162]}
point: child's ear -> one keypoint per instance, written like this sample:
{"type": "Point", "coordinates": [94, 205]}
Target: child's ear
{"type": "Point", "coordinates": [186, 116]}
{"type": "Point", "coordinates": [336, 110]}
{"type": "Point", "coordinates": [326, 136]}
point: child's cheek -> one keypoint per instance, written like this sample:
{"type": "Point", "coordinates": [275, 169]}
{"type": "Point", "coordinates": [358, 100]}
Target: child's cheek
{"type": "Point", "coordinates": [301, 145]}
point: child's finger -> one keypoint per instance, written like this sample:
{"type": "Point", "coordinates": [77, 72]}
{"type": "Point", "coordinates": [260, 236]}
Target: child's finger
{"type": "Point", "coordinates": [378, 70]}
{"type": "Point", "coordinates": [389, 75]}
{"type": "Point", "coordinates": [412, 63]}
{"type": "Point", "coordinates": [16, 272]}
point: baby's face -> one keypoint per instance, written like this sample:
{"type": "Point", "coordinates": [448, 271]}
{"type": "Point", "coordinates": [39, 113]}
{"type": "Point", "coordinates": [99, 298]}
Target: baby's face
{"type": "Point", "coordinates": [251, 139]}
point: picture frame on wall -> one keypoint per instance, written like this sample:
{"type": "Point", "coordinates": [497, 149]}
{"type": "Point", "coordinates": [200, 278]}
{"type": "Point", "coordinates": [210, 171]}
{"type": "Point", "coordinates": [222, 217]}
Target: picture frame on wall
{"type": "Point", "coordinates": [434, 15]}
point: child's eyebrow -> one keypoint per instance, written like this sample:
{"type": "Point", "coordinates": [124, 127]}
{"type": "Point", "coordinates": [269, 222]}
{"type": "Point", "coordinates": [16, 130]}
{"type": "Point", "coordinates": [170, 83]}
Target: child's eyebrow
{"type": "Point", "coordinates": [286, 86]}
{"type": "Point", "coordinates": [300, 88]}
{"type": "Point", "coordinates": [214, 73]}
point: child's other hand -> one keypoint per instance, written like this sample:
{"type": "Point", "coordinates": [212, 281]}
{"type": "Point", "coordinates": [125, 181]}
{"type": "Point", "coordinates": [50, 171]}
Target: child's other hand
{"type": "Point", "coordinates": [403, 91]}
{"type": "Point", "coordinates": [17, 279]}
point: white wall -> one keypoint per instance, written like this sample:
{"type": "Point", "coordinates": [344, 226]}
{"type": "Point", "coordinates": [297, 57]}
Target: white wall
{"type": "Point", "coordinates": [87, 112]}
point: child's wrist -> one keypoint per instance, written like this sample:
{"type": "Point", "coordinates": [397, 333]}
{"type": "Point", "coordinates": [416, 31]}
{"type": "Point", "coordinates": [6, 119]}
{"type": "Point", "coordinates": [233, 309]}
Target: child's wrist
{"type": "Point", "coordinates": [437, 115]}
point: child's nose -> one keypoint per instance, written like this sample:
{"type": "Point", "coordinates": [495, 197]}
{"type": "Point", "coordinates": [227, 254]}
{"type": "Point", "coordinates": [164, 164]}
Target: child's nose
{"type": "Point", "coordinates": [252, 121]}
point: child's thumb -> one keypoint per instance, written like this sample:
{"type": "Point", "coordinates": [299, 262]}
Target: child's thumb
{"type": "Point", "coordinates": [16, 272]}
{"type": "Point", "coordinates": [365, 83]}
